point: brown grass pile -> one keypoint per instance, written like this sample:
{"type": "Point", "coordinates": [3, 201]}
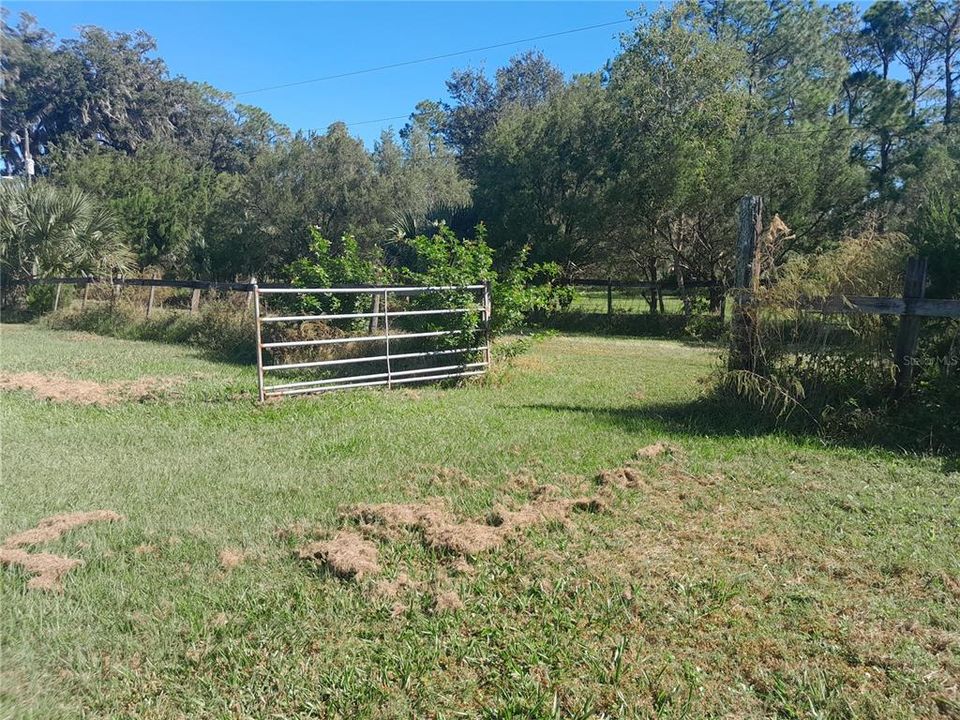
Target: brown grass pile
{"type": "Point", "coordinates": [346, 555]}
{"type": "Point", "coordinates": [55, 526]}
{"type": "Point", "coordinates": [444, 531]}
{"type": "Point", "coordinates": [48, 570]}
{"type": "Point", "coordinates": [60, 389]}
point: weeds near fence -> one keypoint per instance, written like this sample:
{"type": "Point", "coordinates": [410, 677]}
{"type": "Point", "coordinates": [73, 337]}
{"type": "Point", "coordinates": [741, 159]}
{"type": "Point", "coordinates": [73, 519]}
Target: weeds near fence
{"type": "Point", "coordinates": [835, 373]}
{"type": "Point", "coordinates": [223, 327]}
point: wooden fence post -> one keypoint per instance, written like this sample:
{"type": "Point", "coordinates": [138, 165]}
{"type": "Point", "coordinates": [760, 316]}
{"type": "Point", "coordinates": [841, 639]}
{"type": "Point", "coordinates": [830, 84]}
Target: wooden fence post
{"type": "Point", "coordinates": [195, 301]}
{"type": "Point", "coordinates": [914, 287]}
{"type": "Point", "coordinates": [86, 291]}
{"type": "Point", "coordinates": [150, 298]}
{"type": "Point", "coordinates": [56, 296]}
{"type": "Point", "coordinates": [375, 309]}
{"type": "Point", "coordinates": [609, 297]}
{"type": "Point", "coordinates": [743, 338]}
{"type": "Point", "coordinates": [252, 281]}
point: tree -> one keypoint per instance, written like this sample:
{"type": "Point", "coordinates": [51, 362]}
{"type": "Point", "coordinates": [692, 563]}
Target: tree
{"type": "Point", "coordinates": [528, 80]}
{"type": "Point", "coordinates": [540, 177]}
{"type": "Point", "coordinates": [885, 23]}
{"type": "Point", "coordinates": [47, 231]}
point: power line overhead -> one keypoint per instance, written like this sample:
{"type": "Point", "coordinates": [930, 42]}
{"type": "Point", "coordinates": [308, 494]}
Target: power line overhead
{"type": "Point", "coordinates": [418, 61]}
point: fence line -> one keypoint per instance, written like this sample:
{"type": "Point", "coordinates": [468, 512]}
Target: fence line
{"type": "Point", "coordinates": [910, 308]}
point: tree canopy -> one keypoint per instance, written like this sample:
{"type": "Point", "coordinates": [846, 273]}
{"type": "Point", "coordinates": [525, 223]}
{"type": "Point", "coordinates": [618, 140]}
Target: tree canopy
{"type": "Point", "coordinates": [832, 113]}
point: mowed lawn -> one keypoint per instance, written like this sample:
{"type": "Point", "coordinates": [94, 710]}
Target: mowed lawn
{"type": "Point", "coordinates": [740, 574]}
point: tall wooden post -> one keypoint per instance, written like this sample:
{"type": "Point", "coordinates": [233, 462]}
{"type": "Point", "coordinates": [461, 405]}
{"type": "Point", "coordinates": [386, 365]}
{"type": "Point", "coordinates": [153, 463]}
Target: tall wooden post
{"type": "Point", "coordinates": [151, 297]}
{"type": "Point", "coordinates": [251, 281]}
{"type": "Point", "coordinates": [375, 310]}
{"type": "Point", "coordinates": [86, 292]}
{"type": "Point", "coordinates": [743, 331]}
{"type": "Point", "coordinates": [609, 297]}
{"type": "Point", "coordinates": [195, 301]}
{"type": "Point", "coordinates": [914, 287]}
{"type": "Point", "coordinates": [56, 296]}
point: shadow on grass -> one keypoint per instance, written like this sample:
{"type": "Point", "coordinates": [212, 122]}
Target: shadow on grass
{"type": "Point", "coordinates": [722, 417]}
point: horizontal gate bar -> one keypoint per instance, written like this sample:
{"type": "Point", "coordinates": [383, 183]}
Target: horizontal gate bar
{"type": "Point", "coordinates": [437, 377]}
{"type": "Point", "coordinates": [371, 376]}
{"type": "Point", "coordinates": [321, 363]}
{"type": "Point", "coordinates": [438, 368]}
{"type": "Point", "coordinates": [301, 391]}
{"type": "Point", "coordinates": [349, 316]}
{"type": "Point", "coordinates": [360, 338]}
{"type": "Point", "coordinates": [445, 311]}
{"type": "Point", "coordinates": [395, 290]}
{"type": "Point", "coordinates": [304, 318]}
{"type": "Point", "coordinates": [430, 353]}
{"type": "Point", "coordinates": [372, 358]}
{"type": "Point", "coordinates": [325, 388]}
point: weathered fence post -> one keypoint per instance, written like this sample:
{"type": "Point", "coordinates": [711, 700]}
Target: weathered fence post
{"type": "Point", "coordinates": [56, 296]}
{"type": "Point", "coordinates": [195, 301]}
{"type": "Point", "coordinates": [83, 299]}
{"type": "Point", "coordinates": [743, 339]}
{"type": "Point", "coordinates": [375, 309]}
{"type": "Point", "coordinates": [914, 287]}
{"type": "Point", "coordinates": [150, 298]}
{"type": "Point", "coordinates": [252, 281]}
{"type": "Point", "coordinates": [609, 297]}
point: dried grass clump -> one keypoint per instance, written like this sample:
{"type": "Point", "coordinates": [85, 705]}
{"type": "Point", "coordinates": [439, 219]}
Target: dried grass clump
{"type": "Point", "coordinates": [442, 530]}
{"type": "Point", "coordinates": [58, 388]}
{"type": "Point", "coordinates": [48, 569]}
{"type": "Point", "coordinates": [347, 555]}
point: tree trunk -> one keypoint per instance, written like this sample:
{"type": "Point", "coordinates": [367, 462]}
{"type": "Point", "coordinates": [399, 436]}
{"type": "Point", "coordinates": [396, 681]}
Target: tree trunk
{"type": "Point", "coordinates": [948, 87]}
{"type": "Point", "coordinates": [681, 285]}
{"type": "Point", "coordinates": [655, 290]}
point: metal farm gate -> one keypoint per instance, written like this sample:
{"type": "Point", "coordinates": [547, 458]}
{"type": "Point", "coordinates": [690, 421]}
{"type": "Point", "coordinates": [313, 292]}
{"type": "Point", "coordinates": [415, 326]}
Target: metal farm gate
{"type": "Point", "coordinates": [404, 330]}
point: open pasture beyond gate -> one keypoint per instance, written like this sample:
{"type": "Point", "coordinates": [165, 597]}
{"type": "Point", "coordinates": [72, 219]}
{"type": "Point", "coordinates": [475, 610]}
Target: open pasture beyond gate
{"type": "Point", "coordinates": [573, 535]}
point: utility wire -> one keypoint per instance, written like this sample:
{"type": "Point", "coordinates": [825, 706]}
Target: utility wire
{"type": "Point", "coordinates": [457, 53]}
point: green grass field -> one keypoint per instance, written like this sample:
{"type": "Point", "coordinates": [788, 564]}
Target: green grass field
{"type": "Point", "coordinates": [627, 300]}
{"type": "Point", "coordinates": [745, 574]}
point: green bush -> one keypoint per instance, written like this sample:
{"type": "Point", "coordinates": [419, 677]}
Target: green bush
{"type": "Point", "coordinates": [39, 298]}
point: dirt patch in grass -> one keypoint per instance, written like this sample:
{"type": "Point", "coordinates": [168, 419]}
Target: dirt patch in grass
{"type": "Point", "coordinates": [347, 555]}
{"type": "Point", "coordinates": [48, 570]}
{"type": "Point", "coordinates": [55, 526]}
{"type": "Point", "coordinates": [61, 389]}
{"type": "Point", "coordinates": [231, 558]}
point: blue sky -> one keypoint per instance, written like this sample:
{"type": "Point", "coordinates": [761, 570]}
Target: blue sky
{"type": "Point", "coordinates": [239, 46]}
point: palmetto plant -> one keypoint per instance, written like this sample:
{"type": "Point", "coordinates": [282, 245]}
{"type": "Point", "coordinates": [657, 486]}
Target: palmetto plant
{"type": "Point", "coordinates": [47, 231]}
